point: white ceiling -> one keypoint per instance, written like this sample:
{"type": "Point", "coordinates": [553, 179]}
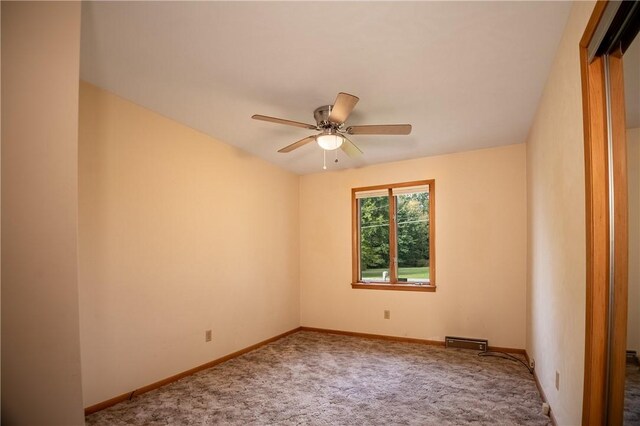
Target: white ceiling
{"type": "Point", "coordinates": [466, 75]}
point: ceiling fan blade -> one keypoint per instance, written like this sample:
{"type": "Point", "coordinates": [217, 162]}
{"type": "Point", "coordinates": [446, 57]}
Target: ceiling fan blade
{"type": "Point", "coordinates": [298, 144]}
{"type": "Point", "coordinates": [381, 129]}
{"type": "Point", "coordinates": [342, 107]}
{"type": "Point", "coordinates": [283, 121]}
{"type": "Point", "coordinates": [350, 148]}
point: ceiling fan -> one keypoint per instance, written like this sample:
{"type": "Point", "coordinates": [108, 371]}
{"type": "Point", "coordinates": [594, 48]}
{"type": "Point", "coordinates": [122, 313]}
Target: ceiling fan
{"type": "Point", "coordinates": [330, 122]}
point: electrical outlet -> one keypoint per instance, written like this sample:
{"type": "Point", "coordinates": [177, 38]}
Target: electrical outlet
{"type": "Point", "coordinates": [207, 336]}
{"type": "Point", "coordinates": [557, 380]}
{"type": "Point", "coordinates": [532, 363]}
{"type": "Point", "coordinates": [387, 314]}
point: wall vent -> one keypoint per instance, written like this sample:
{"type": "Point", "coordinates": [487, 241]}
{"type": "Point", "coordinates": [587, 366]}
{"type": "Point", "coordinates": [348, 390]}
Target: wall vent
{"type": "Point", "coordinates": [466, 343]}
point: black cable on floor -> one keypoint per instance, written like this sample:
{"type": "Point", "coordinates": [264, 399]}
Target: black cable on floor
{"type": "Point", "coordinates": [505, 355]}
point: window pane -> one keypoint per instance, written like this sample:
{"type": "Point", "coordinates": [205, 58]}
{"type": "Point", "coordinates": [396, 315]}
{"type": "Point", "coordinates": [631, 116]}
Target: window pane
{"type": "Point", "coordinates": [374, 238]}
{"type": "Point", "coordinates": [413, 237]}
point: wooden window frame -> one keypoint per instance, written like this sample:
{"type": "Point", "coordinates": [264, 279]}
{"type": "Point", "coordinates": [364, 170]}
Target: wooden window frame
{"type": "Point", "coordinates": [393, 283]}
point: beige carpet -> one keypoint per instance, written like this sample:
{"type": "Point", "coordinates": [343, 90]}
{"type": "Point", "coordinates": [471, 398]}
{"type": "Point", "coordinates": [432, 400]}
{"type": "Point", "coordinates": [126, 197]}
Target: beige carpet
{"type": "Point", "coordinates": [632, 395]}
{"type": "Point", "coordinates": [313, 378]}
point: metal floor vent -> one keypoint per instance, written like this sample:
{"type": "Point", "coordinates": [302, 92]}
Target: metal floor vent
{"type": "Point", "coordinates": [466, 343]}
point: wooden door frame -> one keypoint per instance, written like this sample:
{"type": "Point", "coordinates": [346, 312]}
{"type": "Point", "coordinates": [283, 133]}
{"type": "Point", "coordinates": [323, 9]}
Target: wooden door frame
{"type": "Point", "coordinates": [603, 397]}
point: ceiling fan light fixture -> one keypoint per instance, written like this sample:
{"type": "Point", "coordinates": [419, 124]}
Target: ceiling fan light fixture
{"type": "Point", "coordinates": [330, 141]}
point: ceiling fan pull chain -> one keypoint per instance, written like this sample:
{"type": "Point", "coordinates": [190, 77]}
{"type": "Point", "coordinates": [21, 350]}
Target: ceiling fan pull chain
{"type": "Point", "coordinates": [324, 159]}
{"type": "Point", "coordinates": [336, 155]}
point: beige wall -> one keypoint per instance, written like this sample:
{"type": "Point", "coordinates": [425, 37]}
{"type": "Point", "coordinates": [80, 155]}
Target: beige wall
{"type": "Point", "coordinates": [41, 351]}
{"type": "Point", "coordinates": [179, 233]}
{"type": "Point", "coordinates": [480, 250]}
{"type": "Point", "coordinates": [556, 229]}
{"type": "Point", "coordinates": [633, 166]}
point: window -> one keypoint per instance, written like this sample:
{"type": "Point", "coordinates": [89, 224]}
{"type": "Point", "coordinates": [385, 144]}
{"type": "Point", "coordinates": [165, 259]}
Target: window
{"type": "Point", "coordinates": [393, 236]}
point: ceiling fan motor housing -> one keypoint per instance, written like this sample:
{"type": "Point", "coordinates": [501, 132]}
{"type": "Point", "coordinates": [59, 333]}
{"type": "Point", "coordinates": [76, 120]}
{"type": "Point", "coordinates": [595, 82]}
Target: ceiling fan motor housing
{"type": "Point", "coordinates": [321, 115]}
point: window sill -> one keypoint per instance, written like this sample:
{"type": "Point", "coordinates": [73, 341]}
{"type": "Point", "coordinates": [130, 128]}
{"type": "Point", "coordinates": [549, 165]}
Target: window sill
{"type": "Point", "coordinates": [401, 287]}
